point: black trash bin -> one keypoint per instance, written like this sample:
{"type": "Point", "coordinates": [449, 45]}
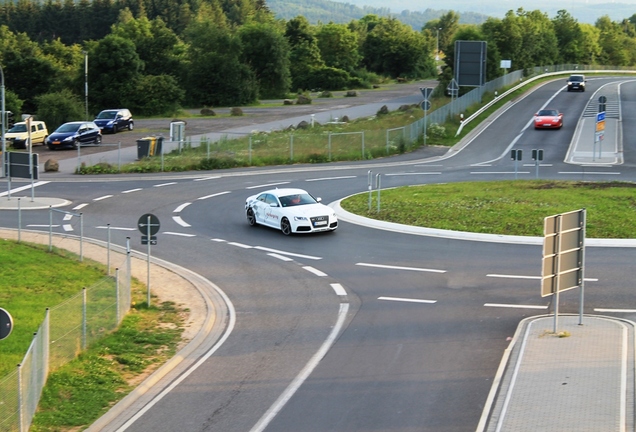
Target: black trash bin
{"type": "Point", "coordinates": [149, 146]}
{"type": "Point", "coordinates": [143, 147]}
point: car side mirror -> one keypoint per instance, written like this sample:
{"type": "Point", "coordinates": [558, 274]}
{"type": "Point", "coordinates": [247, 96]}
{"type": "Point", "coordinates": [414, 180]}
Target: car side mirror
{"type": "Point", "coordinates": [273, 205]}
{"type": "Point", "coordinates": [318, 199]}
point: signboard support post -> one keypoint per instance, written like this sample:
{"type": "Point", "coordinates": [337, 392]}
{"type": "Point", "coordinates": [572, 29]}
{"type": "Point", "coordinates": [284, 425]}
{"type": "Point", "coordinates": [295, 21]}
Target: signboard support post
{"type": "Point", "coordinates": [149, 225]}
{"type": "Point", "coordinates": [148, 262]}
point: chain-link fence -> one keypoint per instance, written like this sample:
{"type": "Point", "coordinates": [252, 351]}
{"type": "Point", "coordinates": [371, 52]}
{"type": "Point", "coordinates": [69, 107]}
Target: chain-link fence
{"type": "Point", "coordinates": [67, 329]}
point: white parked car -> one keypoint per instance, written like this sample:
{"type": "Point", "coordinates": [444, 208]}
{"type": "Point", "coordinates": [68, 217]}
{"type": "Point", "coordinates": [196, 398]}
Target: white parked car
{"type": "Point", "coordinates": [291, 211]}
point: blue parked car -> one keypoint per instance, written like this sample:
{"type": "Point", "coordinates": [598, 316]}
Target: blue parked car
{"type": "Point", "coordinates": [114, 120]}
{"type": "Point", "coordinates": [74, 134]}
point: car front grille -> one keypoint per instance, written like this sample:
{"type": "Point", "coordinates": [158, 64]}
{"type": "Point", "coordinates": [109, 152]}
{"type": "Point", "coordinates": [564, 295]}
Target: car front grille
{"type": "Point", "coordinates": [319, 221]}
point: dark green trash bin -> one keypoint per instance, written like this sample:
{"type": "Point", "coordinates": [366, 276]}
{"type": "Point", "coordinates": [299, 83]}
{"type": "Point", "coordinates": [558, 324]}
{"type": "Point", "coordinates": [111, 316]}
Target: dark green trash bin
{"type": "Point", "coordinates": [149, 146]}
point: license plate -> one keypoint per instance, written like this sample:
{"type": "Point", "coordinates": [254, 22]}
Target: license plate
{"type": "Point", "coordinates": [56, 142]}
{"type": "Point", "coordinates": [319, 223]}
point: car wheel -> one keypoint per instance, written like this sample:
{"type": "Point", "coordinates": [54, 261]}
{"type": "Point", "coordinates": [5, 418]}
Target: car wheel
{"type": "Point", "coordinates": [76, 144]}
{"type": "Point", "coordinates": [114, 129]}
{"type": "Point", "coordinates": [98, 140]}
{"type": "Point", "coordinates": [131, 126]}
{"type": "Point", "coordinates": [251, 217]}
{"type": "Point", "coordinates": [285, 226]}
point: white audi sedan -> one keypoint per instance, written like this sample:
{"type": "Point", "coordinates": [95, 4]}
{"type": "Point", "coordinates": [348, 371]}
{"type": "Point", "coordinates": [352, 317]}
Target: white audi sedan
{"type": "Point", "coordinates": [291, 211]}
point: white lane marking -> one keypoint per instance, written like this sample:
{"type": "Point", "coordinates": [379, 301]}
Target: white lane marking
{"type": "Point", "coordinates": [505, 276]}
{"type": "Point", "coordinates": [131, 190]}
{"type": "Point", "coordinates": [213, 195]}
{"type": "Point", "coordinates": [330, 178]}
{"type": "Point", "coordinates": [116, 228]}
{"type": "Point", "coordinates": [179, 234]}
{"type": "Point", "coordinates": [180, 221]}
{"type": "Point", "coordinates": [266, 185]}
{"type": "Point", "coordinates": [615, 310]}
{"type": "Point", "coordinates": [338, 289]}
{"type": "Point", "coordinates": [67, 227]}
{"type": "Point", "coordinates": [181, 207]}
{"type": "Point", "coordinates": [218, 240]}
{"type": "Point", "coordinates": [280, 257]}
{"type": "Point", "coordinates": [304, 373]}
{"type": "Point", "coordinates": [207, 178]}
{"type": "Point", "coordinates": [499, 172]}
{"type": "Point", "coordinates": [102, 198]}
{"type": "Point", "coordinates": [42, 226]}
{"type": "Point", "coordinates": [287, 253]}
{"type": "Point", "coordinates": [401, 268]}
{"type": "Point", "coordinates": [534, 165]}
{"type": "Point", "coordinates": [512, 276]}
{"type": "Point", "coordinates": [407, 300]}
{"type": "Point", "coordinates": [588, 172]}
{"type": "Point", "coordinates": [164, 184]}
{"type": "Point", "coordinates": [412, 173]}
{"type": "Point", "coordinates": [67, 217]}
{"type": "Point", "coordinates": [315, 271]}
{"type": "Point", "coordinates": [79, 207]}
{"type": "Point", "coordinates": [21, 188]}
{"type": "Point", "coordinates": [516, 306]}
{"type": "Point", "coordinates": [241, 245]}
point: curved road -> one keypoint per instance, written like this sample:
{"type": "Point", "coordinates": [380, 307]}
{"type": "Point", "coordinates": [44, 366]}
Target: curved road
{"type": "Point", "coordinates": [360, 329]}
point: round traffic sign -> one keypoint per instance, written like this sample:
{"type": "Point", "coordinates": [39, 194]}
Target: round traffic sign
{"type": "Point", "coordinates": [6, 323]}
{"type": "Point", "coordinates": [602, 99]}
{"type": "Point", "coordinates": [148, 224]}
{"type": "Point", "coordinates": [425, 105]}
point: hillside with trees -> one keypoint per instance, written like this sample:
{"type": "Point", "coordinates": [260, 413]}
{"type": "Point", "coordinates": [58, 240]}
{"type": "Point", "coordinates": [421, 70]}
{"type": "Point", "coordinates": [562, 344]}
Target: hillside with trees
{"type": "Point", "coordinates": [155, 57]}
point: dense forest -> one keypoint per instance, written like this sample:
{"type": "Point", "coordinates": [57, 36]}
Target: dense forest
{"type": "Point", "coordinates": [156, 56]}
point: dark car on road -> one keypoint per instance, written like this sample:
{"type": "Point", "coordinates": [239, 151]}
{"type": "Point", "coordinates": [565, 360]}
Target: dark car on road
{"type": "Point", "coordinates": [74, 134]}
{"type": "Point", "coordinates": [114, 120]}
{"type": "Point", "coordinates": [576, 83]}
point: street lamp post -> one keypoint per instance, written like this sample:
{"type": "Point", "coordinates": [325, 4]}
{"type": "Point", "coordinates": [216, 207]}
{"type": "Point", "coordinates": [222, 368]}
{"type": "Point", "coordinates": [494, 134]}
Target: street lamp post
{"type": "Point", "coordinates": [3, 117]}
{"type": "Point", "coordinates": [437, 46]}
{"type": "Point", "coordinates": [86, 83]}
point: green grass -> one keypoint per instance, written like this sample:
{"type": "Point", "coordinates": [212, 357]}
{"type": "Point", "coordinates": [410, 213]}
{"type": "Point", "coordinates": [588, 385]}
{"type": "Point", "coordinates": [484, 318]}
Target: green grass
{"type": "Point", "coordinates": [505, 207]}
{"type": "Point", "coordinates": [79, 392]}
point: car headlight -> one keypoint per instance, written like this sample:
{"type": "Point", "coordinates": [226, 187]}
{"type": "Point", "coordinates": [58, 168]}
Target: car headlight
{"type": "Point", "coordinates": [68, 138]}
{"type": "Point", "coordinates": [300, 218]}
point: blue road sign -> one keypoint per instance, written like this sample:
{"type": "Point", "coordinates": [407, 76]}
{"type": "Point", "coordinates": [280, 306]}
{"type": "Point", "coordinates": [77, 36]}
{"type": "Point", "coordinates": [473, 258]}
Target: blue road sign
{"type": "Point", "coordinates": [600, 116]}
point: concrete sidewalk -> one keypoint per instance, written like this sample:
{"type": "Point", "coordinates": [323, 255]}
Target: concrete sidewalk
{"type": "Point", "coordinates": [581, 379]}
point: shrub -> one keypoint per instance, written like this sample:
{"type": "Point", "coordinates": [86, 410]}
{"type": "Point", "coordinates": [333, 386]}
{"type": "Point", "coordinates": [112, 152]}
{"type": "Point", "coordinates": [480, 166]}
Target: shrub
{"type": "Point", "coordinates": [59, 107]}
{"type": "Point", "coordinates": [436, 130]}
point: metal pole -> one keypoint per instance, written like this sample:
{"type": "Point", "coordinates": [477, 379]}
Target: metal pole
{"type": "Point", "coordinates": [86, 83]}
{"type": "Point", "coordinates": [377, 184]}
{"type": "Point", "coordinates": [108, 249]}
{"type": "Point", "coordinates": [81, 237]}
{"type": "Point", "coordinates": [148, 261]}
{"type": "Point", "coordinates": [370, 186]}
{"type": "Point", "coordinates": [583, 226]}
{"type": "Point", "coordinates": [3, 117]}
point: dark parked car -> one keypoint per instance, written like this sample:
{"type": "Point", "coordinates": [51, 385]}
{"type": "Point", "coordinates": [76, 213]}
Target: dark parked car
{"type": "Point", "coordinates": [576, 82]}
{"type": "Point", "coordinates": [114, 120]}
{"type": "Point", "coordinates": [74, 134]}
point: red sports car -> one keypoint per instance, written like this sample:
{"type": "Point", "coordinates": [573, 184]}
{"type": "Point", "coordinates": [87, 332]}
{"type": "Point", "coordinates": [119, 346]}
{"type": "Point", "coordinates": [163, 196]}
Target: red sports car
{"type": "Point", "coordinates": [548, 119]}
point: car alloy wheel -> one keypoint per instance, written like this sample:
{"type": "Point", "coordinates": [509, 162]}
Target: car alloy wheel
{"type": "Point", "coordinates": [251, 217]}
{"type": "Point", "coordinates": [131, 126]}
{"type": "Point", "coordinates": [285, 226]}
{"type": "Point", "coordinates": [98, 140]}
{"type": "Point", "coordinates": [76, 143]}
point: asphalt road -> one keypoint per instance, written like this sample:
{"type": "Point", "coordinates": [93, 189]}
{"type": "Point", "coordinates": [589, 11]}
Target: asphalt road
{"type": "Point", "coordinates": [417, 345]}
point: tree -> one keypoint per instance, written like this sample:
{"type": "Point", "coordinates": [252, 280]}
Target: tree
{"type": "Point", "coordinates": [338, 46]}
{"type": "Point", "coordinates": [59, 107]}
{"type": "Point", "coordinates": [266, 51]}
{"type": "Point", "coordinates": [156, 95]}
{"type": "Point", "coordinates": [160, 49]}
{"type": "Point", "coordinates": [394, 49]}
{"type": "Point", "coordinates": [113, 71]}
{"type": "Point", "coordinates": [570, 38]}
{"type": "Point", "coordinates": [215, 75]}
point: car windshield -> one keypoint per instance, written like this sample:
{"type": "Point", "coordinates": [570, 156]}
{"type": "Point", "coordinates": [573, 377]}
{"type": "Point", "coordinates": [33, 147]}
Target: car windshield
{"type": "Point", "coordinates": [68, 127]}
{"type": "Point", "coordinates": [548, 113]}
{"type": "Point", "coordinates": [107, 115]}
{"type": "Point", "coordinates": [577, 78]}
{"type": "Point", "coordinates": [17, 128]}
{"type": "Point", "coordinates": [296, 199]}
